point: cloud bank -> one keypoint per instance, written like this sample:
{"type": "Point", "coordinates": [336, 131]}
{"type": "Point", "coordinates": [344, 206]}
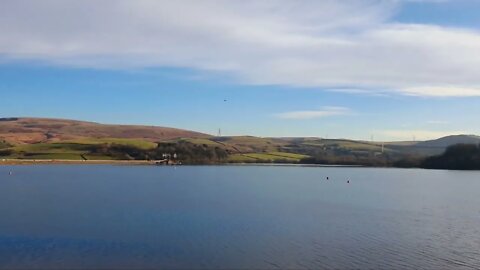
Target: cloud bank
{"type": "Point", "coordinates": [349, 44]}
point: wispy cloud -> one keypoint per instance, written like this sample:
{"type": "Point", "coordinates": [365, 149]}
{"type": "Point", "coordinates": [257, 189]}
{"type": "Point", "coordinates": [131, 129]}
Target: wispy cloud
{"type": "Point", "coordinates": [311, 43]}
{"type": "Point", "coordinates": [324, 112]}
{"type": "Point", "coordinates": [370, 92]}
{"type": "Point", "coordinates": [442, 91]}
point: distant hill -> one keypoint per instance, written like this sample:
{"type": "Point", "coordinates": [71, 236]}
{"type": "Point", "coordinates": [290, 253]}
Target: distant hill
{"type": "Point", "coordinates": [60, 139]}
{"type": "Point", "coordinates": [450, 140]}
{"type": "Point", "coordinates": [41, 130]}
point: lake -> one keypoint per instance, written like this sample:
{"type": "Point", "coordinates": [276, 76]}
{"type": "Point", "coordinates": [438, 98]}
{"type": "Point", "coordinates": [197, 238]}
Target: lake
{"type": "Point", "coordinates": [268, 217]}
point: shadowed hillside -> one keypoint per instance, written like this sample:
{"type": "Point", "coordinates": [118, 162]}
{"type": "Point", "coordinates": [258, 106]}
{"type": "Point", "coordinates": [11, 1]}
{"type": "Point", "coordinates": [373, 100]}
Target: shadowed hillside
{"type": "Point", "coordinates": [456, 157]}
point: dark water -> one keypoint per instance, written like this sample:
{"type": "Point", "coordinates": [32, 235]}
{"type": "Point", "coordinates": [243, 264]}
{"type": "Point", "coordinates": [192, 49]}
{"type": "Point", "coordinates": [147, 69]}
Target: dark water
{"type": "Point", "coordinates": [238, 217]}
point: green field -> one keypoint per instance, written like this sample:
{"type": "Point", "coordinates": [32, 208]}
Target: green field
{"type": "Point", "coordinates": [201, 141]}
{"type": "Point", "coordinates": [53, 156]}
{"type": "Point", "coordinates": [73, 149]}
{"type": "Point", "coordinates": [246, 144]}
{"type": "Point", "coordinates": [4, 144]}
{"type": "Point", "coordinates": [141, 144]}
{"type": "Point", "coordinates": [288, 155]}
{"type": "Point", "coordinates": [267, 157]}
{"type": "Point", "coordinates": [240, 158]}
{"type": "Point", "coordinates": [51, 148]}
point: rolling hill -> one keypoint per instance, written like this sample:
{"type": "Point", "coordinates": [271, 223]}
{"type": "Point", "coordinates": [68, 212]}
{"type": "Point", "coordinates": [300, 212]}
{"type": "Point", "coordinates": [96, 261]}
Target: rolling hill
{"type": "Point", "coordinates": [434, 147]}
{"type": "Point", "coordinates": [450, 140]}
{"type": "Point", "coordinates": [40, 138]}
{"type": "Point", "coordinates": [42, 130]}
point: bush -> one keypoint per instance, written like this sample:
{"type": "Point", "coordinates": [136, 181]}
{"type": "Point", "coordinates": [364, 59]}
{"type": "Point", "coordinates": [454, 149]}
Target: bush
{"type": "Point", "coordinates": [5, 152]}
{"type": "Point", "coordinates": [456, 157]}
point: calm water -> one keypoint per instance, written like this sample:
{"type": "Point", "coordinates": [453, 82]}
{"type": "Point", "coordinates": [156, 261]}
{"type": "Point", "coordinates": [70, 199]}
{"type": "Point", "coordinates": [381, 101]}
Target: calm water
{"type": "Point", "coordinates": [238, 217]}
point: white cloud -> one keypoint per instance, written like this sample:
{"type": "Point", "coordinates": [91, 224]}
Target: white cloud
{"type": "Point", "coordinates": [324, 112]}
{"type": "Point", "coordinates": [311, 43]}
{"type": "Point", "coordinates": [408, 135]}
{"type": "Point", "coordinates": [431, 91]}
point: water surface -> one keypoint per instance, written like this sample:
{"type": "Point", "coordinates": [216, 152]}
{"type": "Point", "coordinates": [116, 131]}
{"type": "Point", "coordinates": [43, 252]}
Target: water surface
{"type": "Point", "coordinates": [238, 217]}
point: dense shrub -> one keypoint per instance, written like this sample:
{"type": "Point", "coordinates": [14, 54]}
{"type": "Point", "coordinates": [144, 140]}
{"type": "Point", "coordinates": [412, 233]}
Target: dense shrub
{"type": "Point", "coordinates": [190, 153]}
{"type": "Point", "coordinates": [5, 152]}
{"type": "Point", "coordinates": [456, 157]}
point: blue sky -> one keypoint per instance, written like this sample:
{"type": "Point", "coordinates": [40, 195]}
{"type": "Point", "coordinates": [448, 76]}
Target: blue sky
{"type": "Point", "coordinates": [394, 70]}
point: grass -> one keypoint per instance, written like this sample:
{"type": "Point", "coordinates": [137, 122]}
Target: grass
{"type": "Point", "coordinates": [138, 143]}
{"type": "Point", "coordinates": [247, 144]}
{"type": "Point", "coordinates": [273, 156]}
{"type": "Point", "coordinates": [240, 158]}
{"type": "Point", "coordinates": [73, 150]}
{"type": "Point", "coordinates": [202, 141]}
{"type": "Point", "coordinates": [288, 155]}
{"type": "Point", "coordinates": [266, 157]}
{"type": "Point", "coordinates": [56, 156]}
{"type": "Point", "coordinates": [261, 156]}
{"type": "Point", "coordinates": [349, 145]}
{"type": "Point", "coordinates": [4, 144]}
{"type": "Point", "coordinates": [98, 157]}
{"type": "Point", "coordinates": [68, 151]}
{"type": "Point", "coordinates": [46, 148]}
{"type": "Point", "coordinates": [359, 145]}
{"type": "Point", "coordinates": [252, 141]}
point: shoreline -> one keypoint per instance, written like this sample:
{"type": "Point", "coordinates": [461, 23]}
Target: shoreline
{"type": "Point", "coordinates": [73, 162]}
{"type": "Point", "coordinates": [148, 162]}
{"type": "Point", "coordinates": [21, 162]}
{"type": "Point", "coordinates": [5, 162]}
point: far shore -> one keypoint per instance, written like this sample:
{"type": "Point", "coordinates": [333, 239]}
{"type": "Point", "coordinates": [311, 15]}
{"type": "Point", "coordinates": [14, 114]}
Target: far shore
{"type": "Point", "coordinates": [144, 162]}
{"type": "Point", "coordinates": [76, 162]}
{"type": "Point", "coordinates": [10, 162]}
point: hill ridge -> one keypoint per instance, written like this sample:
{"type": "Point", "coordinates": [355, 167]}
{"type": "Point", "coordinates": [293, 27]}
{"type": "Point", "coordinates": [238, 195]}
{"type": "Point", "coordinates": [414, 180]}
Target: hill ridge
{"type": "Point", "coordinates": [35, 130]}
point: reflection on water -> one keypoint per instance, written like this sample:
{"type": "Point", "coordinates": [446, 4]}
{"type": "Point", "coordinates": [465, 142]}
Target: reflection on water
{"type": "Point", "coordinates": [238, 217]}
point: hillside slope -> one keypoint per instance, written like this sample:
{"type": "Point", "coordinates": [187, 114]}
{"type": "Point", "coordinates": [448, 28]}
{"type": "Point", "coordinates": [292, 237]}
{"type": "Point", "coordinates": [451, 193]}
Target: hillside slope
{"type": "Point", "coordinates": [39, 138]}
{"type": "Point", "coordinates": [41, 130]}
{"type": "Point", "coordinates": [450, 140]}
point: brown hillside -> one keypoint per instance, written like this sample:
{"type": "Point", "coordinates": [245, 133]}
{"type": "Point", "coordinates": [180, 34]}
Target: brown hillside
{"type": "Point", "coordinates": [35, 130]}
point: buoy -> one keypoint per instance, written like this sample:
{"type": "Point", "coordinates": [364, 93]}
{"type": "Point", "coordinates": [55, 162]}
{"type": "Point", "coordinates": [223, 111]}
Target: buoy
{"type": "Point", "coordinates": [327, 177]}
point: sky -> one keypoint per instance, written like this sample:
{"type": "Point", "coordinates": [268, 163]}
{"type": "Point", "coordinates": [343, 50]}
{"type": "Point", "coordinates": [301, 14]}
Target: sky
{"type": "Point", "coordinates": [359, 69]}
